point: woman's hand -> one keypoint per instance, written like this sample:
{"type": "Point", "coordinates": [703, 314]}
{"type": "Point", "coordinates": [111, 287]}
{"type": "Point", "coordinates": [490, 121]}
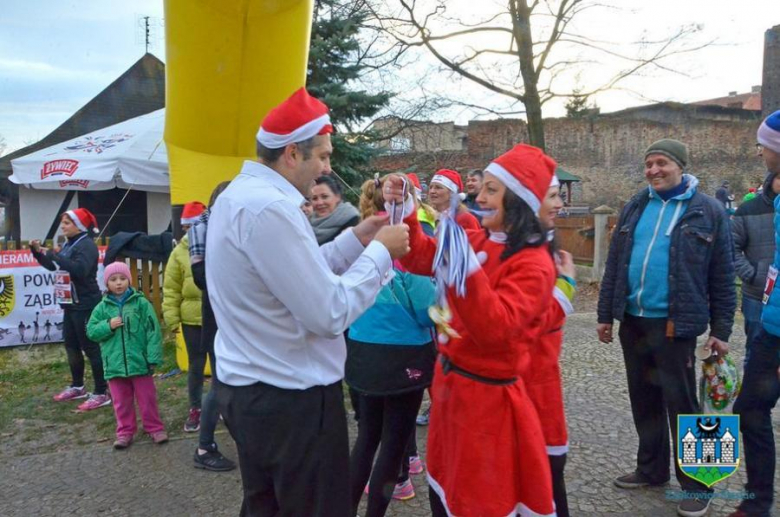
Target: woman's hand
{"type": "Point", "coordinates": [393, 189]}
{"type": "Point", "coordinates": [566, 265]}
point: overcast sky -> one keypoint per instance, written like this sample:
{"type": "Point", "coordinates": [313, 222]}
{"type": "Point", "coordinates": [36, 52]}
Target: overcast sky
{"type": "Point", "coordinates": [55, 55]}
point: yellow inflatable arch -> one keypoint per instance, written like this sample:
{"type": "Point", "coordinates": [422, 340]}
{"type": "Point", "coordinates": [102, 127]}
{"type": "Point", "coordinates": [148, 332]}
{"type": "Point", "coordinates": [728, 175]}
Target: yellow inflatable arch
{"type": "Point", "coordinates": [228, 62]}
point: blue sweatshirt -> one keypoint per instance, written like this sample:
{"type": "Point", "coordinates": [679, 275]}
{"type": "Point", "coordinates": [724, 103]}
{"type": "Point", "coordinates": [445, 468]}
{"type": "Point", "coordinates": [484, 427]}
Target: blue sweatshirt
{"type": "Point", "coordinates": [400, 314]}
{"type": "Point", "coordinates": [648, 270]}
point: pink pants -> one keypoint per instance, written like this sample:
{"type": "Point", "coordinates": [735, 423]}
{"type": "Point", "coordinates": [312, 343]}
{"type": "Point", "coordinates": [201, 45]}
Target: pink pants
{"type": "Point", "coordinates": [124, 392]}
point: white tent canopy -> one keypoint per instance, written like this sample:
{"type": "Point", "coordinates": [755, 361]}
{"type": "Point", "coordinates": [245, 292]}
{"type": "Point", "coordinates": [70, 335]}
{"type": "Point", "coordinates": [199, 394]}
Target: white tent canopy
{"type": "Point", "coordinates": [130, 154]}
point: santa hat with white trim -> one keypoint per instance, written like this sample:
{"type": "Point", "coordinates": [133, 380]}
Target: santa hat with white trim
{"type": "Point", "coordinates": [191, 212]}
{"type": "Point", "coordinates": [450, 180]}
{"type": "Point", "coordinates": [83, 219]}
{"type": "Point", "coordinates": [526, 171]}
{"type": "Point", "coordinates": [298, 118]}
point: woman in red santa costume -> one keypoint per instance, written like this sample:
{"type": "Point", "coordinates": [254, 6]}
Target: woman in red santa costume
{"type": "Point", "coordinates": [543, 379]}
{"type": "Point", "coordinates": [445, 184]}
{"type": "Point", "coordinates": [486, 450]}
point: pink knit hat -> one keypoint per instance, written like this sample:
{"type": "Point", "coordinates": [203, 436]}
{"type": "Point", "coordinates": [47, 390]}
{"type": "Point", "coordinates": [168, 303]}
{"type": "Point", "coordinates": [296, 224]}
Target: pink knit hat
{"type": "Point", "coordinates": [116, 268]}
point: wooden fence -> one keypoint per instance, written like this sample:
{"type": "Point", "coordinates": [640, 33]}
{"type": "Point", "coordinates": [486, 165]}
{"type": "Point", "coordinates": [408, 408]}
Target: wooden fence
{"type": "Point", "coordinates": [148, 277]}
{"type": "Point", "coordinates": [576, 235]}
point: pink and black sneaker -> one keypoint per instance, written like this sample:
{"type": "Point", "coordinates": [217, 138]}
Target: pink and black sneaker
{"type": "Point", "coordinates": [71, 393]}
{"type": "Point", "coordinates": [415, 465]}
{"type": "Point", "coordinates": [95, 401]}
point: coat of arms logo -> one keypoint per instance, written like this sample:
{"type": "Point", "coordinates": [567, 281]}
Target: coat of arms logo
{"type": "Point", "coordinates": [708, 446]}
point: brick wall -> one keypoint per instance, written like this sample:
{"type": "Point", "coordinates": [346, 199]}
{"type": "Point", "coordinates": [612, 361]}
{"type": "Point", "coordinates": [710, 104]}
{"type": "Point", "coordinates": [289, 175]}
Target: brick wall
{"type": "Point", "coordinates": [607, 152]}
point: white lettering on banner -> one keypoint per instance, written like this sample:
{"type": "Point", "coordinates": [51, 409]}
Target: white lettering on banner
{"type": "Point", "coordinates": [29, 313]}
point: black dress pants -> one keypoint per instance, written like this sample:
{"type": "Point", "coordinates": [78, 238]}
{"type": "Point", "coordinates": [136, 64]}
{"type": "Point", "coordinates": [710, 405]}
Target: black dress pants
{"type": "Point", "coordinates": [661, 385]}
{"type": "Point", "coordinates": [293, 449]}
{"type": "Point", "coordinates": [77, 345]}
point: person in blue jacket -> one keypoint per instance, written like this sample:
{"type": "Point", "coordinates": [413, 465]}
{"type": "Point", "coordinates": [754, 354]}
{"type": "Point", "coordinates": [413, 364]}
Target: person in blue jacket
{"type": "Point", "coordinates": [390, 359]}
{"type": "Point", "coordinates": [761, 385]}
{"type": "Point", "coordinates": [669, 276]}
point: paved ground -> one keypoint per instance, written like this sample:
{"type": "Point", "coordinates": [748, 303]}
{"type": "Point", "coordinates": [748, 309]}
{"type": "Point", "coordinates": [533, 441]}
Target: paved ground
{"type": "Point", "coordinates": [154, 480]}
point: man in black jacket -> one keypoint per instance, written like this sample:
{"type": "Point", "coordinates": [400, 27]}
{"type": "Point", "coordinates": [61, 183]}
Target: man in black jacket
{"type": "Point", "coordinates": [669, 274]}
{"type": "Point", "coordinates": [754, 242]}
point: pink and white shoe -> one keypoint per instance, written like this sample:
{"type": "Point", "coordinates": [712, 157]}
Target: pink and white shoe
{"type": "Point", "coordinates": [404, 491]}
{"type": "Point", "coordinates": [71, 393]}
{"type": "Point", "coordinates": [95, 401]}
{"type": "Point", "coordinates": [415, 465]}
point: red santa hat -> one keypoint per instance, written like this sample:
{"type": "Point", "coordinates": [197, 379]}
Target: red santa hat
{"type": "Point", "coordinates": [415, 180]}
{"type": "Point", "coordinates": [83, 219]}
{"type": "Point", "coordinates": [450, 180]}
{"type": "Point", "coordinates": [298, 118]}
{"type": "Point", "coordinates": [526, 171]}
{"type": "Point", "coordinates": [191, 212]}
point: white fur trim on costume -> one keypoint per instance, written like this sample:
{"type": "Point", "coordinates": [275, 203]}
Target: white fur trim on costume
{"type": "Point", "coordinates": [444, 180]}
{"type": "Point", "coordinates": [557, 450]}
{"type": "Point", "coordinates": [555, 182]}
{"type": "Point", "coordinates": [563, 301]}
{"type": "Point", "coordinates": [521, 509]}
{"type": "Point", "coordinates": [515, 186]}
{"type": "Point", "coordinates": [306, 131]}
{"type": "Point", "coordinates": [190, 220]}
{"type": "Point", "coordinates": [76, 220]}
{"type": "Point", "coordinates": [482, 257]}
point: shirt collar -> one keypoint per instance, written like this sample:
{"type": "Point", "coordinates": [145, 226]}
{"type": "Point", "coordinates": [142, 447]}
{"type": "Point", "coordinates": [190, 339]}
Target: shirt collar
{"type": "Point", "coordinates": [259, 170]}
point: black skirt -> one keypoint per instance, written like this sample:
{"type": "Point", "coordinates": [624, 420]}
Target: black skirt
{"type": "Point", "coordinates": [374, 369]}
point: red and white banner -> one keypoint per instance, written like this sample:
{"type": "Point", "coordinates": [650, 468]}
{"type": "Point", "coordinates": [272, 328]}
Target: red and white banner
{"type": "Point", "coordinates": [28, 312]}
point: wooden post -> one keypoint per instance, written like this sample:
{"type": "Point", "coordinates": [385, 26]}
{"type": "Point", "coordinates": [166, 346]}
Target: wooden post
{"type": "Point", "coordinates": [601, 245]}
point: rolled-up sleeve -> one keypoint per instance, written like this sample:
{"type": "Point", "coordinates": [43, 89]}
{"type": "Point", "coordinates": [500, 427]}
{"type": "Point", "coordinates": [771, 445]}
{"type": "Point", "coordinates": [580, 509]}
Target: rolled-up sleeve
{"type": "Point", "coordinates": [303, 277]}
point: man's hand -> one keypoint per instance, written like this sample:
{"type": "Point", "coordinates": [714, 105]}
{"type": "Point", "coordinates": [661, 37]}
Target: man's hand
{"type": "Point", "coordinates": [395, 239]}
{"type": "Point", "coordinates": [366, 230]}
{"type": "Point", "coordinates": [604, 331]}
{"type": "Point", "coordinates": [393, 189]}
{"type": "Point", "coordinates": [115, 322]}
{"type": "Point", "coordinates": [719, 347]}
{"type": "Point", "coordinates": [35, 245]}
{"type": "Point", "coordinates": [566, 265]}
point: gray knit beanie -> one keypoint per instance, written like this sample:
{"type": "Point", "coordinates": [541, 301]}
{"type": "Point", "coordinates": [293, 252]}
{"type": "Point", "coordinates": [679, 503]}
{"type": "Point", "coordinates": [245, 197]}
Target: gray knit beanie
{"type": "Point", "coordinates": [673, 149]}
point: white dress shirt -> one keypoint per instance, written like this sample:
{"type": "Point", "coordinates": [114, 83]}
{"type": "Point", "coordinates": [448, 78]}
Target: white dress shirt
{"type": "Point", "coordinates": [280, 305]}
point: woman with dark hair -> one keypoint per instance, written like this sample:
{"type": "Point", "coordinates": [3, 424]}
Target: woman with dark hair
{"type": "Point", "coordinates": [331, 214]}
{"type": "Point", "coordinates": [77, 292]}
{"type": "Point", "coordinates": [486, 451]}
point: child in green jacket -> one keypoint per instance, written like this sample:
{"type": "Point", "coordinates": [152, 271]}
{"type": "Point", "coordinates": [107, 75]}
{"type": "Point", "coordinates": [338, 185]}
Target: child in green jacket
{"type": "Point", "coordinates": [130, 340]}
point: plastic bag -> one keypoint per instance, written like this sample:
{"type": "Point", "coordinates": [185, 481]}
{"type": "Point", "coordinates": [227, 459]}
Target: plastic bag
{"type": "Point", "coordinates": [719, 385]}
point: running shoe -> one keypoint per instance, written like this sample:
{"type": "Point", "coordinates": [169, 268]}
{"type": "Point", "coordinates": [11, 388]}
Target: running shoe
{"type": "Point", "coordinates": [404, 491]}
{"type": "Point", "coordinates": [95, 401]}
{"type": "Point", "coordinates": [71, 393]}
{"type": "Point", "coordinates": [213, 460]}
{"type": "Point", "coordinates": [159, 437]}
{"type": "Point", "coordinates": [192, 425]}
{"type": "Point", "coordinates": [415, 465]}
{"type": "Point", "coordinates": [123, 442]}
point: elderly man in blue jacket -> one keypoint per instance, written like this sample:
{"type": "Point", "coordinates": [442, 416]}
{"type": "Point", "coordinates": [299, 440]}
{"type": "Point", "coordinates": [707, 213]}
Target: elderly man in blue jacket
{"type": "Point", "coordinates": [669, 275]}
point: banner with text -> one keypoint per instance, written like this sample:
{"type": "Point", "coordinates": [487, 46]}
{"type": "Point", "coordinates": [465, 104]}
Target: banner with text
{"type": "Point", "coordinates": [28, 313]}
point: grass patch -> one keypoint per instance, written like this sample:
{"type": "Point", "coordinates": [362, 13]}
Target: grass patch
{"type": "Point", "coordinates": [32, 423]}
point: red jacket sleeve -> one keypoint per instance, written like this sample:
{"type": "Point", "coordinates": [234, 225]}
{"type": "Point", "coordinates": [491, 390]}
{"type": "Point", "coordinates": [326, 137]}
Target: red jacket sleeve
{"type": "Point", "coordinates": [467, 221]}
{"type": "Point", "coordinates": [493, 316]}
{"type": "Point", "coordinates": [423, 248]}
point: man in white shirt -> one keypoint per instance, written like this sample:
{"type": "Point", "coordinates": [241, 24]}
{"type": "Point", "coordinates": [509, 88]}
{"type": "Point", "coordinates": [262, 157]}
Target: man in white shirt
{"type": "Point", "coordinates": [281, 308]}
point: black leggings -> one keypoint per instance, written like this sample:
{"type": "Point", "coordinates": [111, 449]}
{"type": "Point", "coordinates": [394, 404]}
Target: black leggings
{"type": "Point", "coordinates": [557, 463]}
{"type": "Point", "coordinates": [74, 333]}
{"type": "Point", "coordinates": [389, 420]}
{"type": "Point", "coordinates": [196, 358]}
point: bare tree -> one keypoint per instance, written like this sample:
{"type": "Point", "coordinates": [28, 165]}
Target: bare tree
{"type": "Point", "coordinates": [518, 48]}
{"type": "Point", "coordinates": [3, 145]}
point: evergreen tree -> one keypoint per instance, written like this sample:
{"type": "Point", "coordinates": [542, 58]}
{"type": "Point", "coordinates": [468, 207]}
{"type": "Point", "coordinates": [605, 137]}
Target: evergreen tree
{"type": "Point", "coordinates": [334, 64]}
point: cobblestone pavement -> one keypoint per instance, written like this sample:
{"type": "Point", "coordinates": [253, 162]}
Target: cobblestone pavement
{"type": "Point", "coordinates": [154, 480]}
